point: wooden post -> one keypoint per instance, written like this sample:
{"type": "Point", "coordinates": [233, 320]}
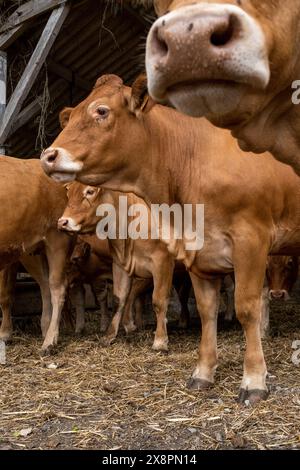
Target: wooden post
{"type": "Point", "coordinates": [32, 69]}
{"type": "Point", "coordinates": [3, 76]}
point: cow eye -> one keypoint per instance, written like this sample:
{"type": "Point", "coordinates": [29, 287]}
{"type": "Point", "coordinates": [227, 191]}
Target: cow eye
{"type": "Point", "coordinates": [90, 192]}
{"type": "Point", "coordinates": [103, 112]}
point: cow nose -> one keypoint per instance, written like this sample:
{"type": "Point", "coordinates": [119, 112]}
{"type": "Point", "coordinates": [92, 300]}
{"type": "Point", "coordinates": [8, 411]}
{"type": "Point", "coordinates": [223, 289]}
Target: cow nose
{"type": "Point", "coordinates": [168, 36]}
{"type": "Point", "coordinates": [277, 294]}
{"type": "Point", "coordinates": [49, 156]}
{"type": "Point", "coordinates": [201, 43]}
{"type": "Point", "coordinates": [62, 223]}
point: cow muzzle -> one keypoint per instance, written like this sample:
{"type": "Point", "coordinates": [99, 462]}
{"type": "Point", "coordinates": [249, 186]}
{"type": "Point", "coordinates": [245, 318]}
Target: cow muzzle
{"type": "Point", "coordinates": [278, 294]}
{"type": "Point", "coordinates": [199, 58]}
{"type": "Point", "coordinates": [59, 165]}
{"type": "Point", "coordinates": [68, 224]}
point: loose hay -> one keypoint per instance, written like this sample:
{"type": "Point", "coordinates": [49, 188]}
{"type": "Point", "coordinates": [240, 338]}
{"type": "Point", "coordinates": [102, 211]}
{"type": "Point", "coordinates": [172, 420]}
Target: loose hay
{"type": "Point", "coordinates": [129, 397]}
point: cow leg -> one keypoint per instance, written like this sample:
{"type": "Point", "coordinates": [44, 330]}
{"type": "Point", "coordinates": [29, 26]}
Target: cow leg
{"type": "Point", "coordinates": [229, 289]}
{"type": "Point", "coordinates": [138, 286]}
{"type": "Point", "coordinates": [37, 267]}
{"type": "Point", "coordinates": [121, 289]}
{"type": "Point", "coordinates": [207, 293]}
{"type": "Point", "coordinates": [7, 287]}
{"type": "Point", "coordinates": [57, 251]}
{"type": "Point", "coordinates": [77, 296]}
{"type": "Point", "coordinates": [162, 280]}
{"type": "Point", "coordinates": [183, 292]}
{"type": "Point", "coordinates": [101, 292]}
{"type": "Point", "coordinates": [265, 314]}
{"type": "Point", "coordinates": [249, 281]}
{"type": "Point", "coordinates": [138, 317]}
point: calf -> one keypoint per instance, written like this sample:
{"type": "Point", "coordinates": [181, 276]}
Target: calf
{"type": "Point", "coordinates": [251, 203]}
{"type": "Point", "coordinates": [144, 259]}
{"type": "Point", "coordinates": [235, 62]}
{"type": "Point", "coordinates": [30, 206]}
{"type": "Point", "coordinates": [282, 273]}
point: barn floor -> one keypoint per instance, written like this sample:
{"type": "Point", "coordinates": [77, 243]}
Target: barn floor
{"type": "Point", "coordinates": [128, 397]}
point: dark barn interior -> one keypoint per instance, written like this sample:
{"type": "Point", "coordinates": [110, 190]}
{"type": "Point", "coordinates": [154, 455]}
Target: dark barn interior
{"type": "Point", "coordinates": [97, 37]}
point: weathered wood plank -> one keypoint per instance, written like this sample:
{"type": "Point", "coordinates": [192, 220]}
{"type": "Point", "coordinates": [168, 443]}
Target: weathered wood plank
{"type": "Point", "coordinates": [28, 11]}
{"type": "Point", "coordinates": [3, 77]}
{"type": "Point", "coordinates": [32, 69]}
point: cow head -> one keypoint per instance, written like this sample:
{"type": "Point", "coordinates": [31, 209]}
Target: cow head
{"type": "Point", "coordinates": [80, 213]}
{"type": "Point", "coordinates": [99, 133]}
{"type": "Point", "coordinates": [227, 60]}
{"type": "Point", "coordinates": [282, 273]}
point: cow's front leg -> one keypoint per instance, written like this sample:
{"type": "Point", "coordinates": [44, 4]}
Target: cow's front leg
{"type": "Point", "coordinates": [162, 279]}
{"type": "Point", "coordinates": [265, 314]}
{"type": "Point", "coordinates": [207, 293]}
{"type": "Point", "coordinates": [57, 251]}
{"type": "Point", "coordinates": [121, 290]}
{"type": "Point", "coordinates": [249, 278]}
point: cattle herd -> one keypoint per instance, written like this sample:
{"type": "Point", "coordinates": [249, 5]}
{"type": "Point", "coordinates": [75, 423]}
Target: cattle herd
{"type": "Point", "coordinates": [227, 68]}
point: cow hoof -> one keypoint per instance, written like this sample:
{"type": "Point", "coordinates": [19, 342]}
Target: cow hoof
{"type": "Point", "coordinates": [5, 336]}
{"type": "Point", "coordinates": [160, 346]}
{"type": "Point", "coordinates": [198, 384]}
{"type": "Point", "coordinates": [130, 328]}
{"type": "Point", "coordinates": [47, 351]}
{"type": "Point", "coordinates": [252, 396]}
{"type": "Point", "coordinates": [105, 342]}
{"type": "Point", "coordinates": [80, 332]}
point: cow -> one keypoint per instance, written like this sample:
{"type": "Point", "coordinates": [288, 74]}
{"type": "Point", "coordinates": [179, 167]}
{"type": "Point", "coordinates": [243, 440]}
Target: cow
{"type": "Point", "coordinates": [119, 139]}
{"type": "Point", "coordinates": [31, 204]}
{"type": "Point", "coordinates": [235, 62]}
{"type": "Point", "coordinates": [282, 274]}
{"type": "Point", "coordinates": [37, 267]}
{"type": "Point", "coordinates": [136, 262]}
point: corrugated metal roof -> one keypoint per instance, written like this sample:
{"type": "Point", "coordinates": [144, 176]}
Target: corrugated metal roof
{"type": "Point", "coordinates": [97, 38]}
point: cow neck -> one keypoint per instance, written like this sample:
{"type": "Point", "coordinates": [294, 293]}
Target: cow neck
{"type": "Point", "coordinates": [169, 171]}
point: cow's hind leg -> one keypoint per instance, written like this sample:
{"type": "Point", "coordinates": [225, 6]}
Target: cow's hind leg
{"type": "Point", "coordinates": [207, 293]}
{"type": "Point", "coordinates": [121, 289]}
{"type": "Point", "coordinates": [37, 267]}
{"type": "Point", "coordinates": [7, 286]}
{"type": "Point", "coordinates": [77, 297]}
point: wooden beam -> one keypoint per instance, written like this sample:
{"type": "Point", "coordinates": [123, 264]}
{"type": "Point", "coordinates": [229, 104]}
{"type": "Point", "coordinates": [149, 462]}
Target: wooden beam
{"type": "Point", "coordinates": [28, 11]}
{"type": "Point", "coordinates": [32, 69]}
{"type": "Point", "coordinates": [7, 38]}
{"type": "Point", "coordinates": [3, 77]}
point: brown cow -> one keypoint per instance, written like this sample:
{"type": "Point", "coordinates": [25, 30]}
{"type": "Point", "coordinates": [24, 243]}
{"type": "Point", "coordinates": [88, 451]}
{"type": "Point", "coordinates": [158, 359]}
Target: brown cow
{"type": "Point", "coordinates": [251, 203]}
{"type": "Point", "coordinates": [235, 62]}
{"type": "Point", "coordinates": [37, 266]}
{"type": "Point", "coordinates": [144, 259]}
{"type": "Point", "coordinates": [30, 206]}
{"type": "Point", "coordinates": [282, 273]}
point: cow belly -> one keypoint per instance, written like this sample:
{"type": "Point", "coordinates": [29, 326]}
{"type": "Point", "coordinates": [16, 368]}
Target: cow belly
{"type": "Point", "coordinates": [215, 256]}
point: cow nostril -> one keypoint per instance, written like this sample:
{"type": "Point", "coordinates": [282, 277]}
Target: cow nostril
{"type": "Point", "coordinates": [159, 42]}
{"type": "Point", "coordinates": [223, 35]}
{"type": "Point", "coordinates": [51, 155]}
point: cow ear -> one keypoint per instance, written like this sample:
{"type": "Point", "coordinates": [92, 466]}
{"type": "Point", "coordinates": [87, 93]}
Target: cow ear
{"type": "Point", "coordinates": [139, 100]}
{"type": "Point", "coordinates": [64, 117]}
{"type": "Point", "coordinates": [111, 79]}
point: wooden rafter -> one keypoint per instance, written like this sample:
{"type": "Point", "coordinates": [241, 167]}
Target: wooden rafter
{"type": "Point", "coordinates": [32, 69]}
{"type": "Point", "coordinates": [16, 23]}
